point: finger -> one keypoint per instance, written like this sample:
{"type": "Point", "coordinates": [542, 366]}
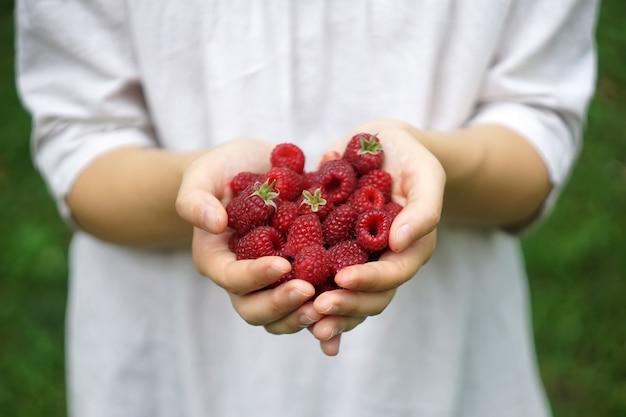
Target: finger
{"type": "Point", "coordinates": [201, 208]}
{"type": "Point", "coordinates": [421, 191]}
{"type": "Point", "coordinates": [352, 304]}
{"type": "Point", "coordinates": [391, 270]}
{"type": "Point", "coordinates": [331, 347]}
{"type": "Point", "coordinates": [264, 307]}
{"type": "Point", "coordinates": [303, 317]}
{"type": "Point", "coordinates": [214, 259]}
{"type": "Point", "coordinates": [331, 327]}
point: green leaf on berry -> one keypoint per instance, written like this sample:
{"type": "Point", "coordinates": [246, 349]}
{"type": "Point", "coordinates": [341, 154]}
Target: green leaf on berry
{"type": "Point", "coordinates": [370, 145]}
{"type": "Point", "coordinates": [266, 192]}
{"type": "Point", "coordinates": [314, 200]}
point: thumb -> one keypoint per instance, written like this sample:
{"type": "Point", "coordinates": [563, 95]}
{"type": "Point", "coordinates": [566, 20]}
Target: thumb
{"type": "Point", "coordinates": [202, 210]}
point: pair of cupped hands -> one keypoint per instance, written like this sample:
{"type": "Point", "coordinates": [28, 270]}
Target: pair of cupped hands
{"type": "Point", "coordinates": [418, 186]}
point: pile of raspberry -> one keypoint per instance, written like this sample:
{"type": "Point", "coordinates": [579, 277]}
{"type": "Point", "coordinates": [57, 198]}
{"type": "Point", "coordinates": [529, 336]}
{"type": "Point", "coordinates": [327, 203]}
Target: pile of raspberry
{"type": "Point", "coordinates": [321, 221]}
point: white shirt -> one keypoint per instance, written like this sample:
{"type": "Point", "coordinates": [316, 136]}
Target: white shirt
{"type": "Point", "coordinates": [148, 336]}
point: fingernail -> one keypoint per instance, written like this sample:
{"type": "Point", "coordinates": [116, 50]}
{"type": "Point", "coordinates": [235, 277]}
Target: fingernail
{"type": "Point", "coordinates": [297, 296]}
{"type": "Point", "coordinates": [403, 236]}
{"type": "Point", "coordinates": [306, 321]}
{"type": "Point", "coordinates": [334, 333]}
{"type": "Point", "coordinates": [210, 216]}
{"type": "Point", "coordinates": [329, 309]}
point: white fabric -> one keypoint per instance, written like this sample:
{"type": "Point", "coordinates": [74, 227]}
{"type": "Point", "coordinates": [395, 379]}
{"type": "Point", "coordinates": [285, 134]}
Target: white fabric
{"type": "Point", "coordinates": [147, 336]}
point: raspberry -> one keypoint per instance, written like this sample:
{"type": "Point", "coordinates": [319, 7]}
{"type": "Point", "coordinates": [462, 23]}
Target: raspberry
{"type": "Point", "coordinates": [306, 230]}
{"type": "Point", "coordinates": [337, 180]}
{"type": "Point", "coordinates": [346, 253]}
{"type": "Point", "coordinates": [261, 241]}
{"type": "Point", "coordinates": [285, 215]}
{"type": "Point", "coordinates": [365, 152]}
{"type": "Point", "coordinates": [320, 221]}
{"type": "Point", "coordinates": [392, 208]}
{"type": "Point", "coordinates": [378, 178]}
{"type": "Point", "coordinates": [252, 208]}
{"type": "Point", "coordinates": [314, 202]}
{"type": "Point", "coordinates": [242, 180]}
{"type": "Point", "coordinates": [288, 155]}
{"type": "Point", "coordinates": [372, 230]}
{"type": "Point", "coordinates": [309, 179]}
{"type": "Point", "coordinates": [287, 183]}
{"type": "Point", "coordinates": [312, 264]}
{"type": "Point", "coordinates": [339, 224]}
{"type": "Point", "coordinates": [367, 198]}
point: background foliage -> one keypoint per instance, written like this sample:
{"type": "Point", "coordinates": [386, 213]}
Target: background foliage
{"type": "Point", "coordinates": [576, 260]}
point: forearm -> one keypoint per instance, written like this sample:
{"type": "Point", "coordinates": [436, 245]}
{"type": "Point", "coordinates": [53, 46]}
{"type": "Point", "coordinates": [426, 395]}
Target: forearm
{"type": "Point", "coordinates": [127, 196]}
{"type": "Point", "coordinates": [494, 176]}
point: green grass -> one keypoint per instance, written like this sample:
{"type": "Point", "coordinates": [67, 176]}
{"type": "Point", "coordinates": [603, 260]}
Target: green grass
{"type": "Point", "coordinates": [575, 260]}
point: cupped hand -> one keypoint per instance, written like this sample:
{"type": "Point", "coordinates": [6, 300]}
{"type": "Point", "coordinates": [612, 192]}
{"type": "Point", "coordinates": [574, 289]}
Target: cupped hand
{"type": "Point", "coordinates": [201, 201]}
{"type": "Point", "coordinates": [418, 186]}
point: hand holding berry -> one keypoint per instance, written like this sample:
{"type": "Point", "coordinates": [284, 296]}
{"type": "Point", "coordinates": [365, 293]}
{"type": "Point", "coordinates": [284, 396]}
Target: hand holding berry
{"type": "Point", "coordinates": [418, 185]}
{"type": "Point", "coordinates": [203, 195]}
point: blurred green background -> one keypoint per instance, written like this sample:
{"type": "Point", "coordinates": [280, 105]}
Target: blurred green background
{"type": "Point", "coordinates": [576, 260]}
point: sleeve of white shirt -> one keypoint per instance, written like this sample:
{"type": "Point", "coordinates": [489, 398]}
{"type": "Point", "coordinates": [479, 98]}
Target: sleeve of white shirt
{"type": "Point", "coordinates": [77, 77]}
{"type": "Point", "coordinates": [542, 80]}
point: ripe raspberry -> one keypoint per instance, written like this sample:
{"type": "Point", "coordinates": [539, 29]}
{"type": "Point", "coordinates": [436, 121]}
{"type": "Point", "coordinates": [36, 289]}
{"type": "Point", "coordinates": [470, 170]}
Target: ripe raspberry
{"type": "Point", "coordinates": [288, 155]}
{"type": "Point", "coordinates": [346, 253]}
{"type": "Point", "coordinates": [306, 230]}
{"type": "Point", "coordinates": [339, 224]}
{"type": "Point", "coordinates": [365, 152]}
{"type": "Point", "coordinates": [286, 213]}
{"type": "Point", "coordinates": [312, 264]}
{"type": "Point", "coordinates": [261, 241]}
{"type": "Point", "coordinates": [288, 183]}
{"type": "Point", "coordinates": [252, 208]}
{"type": "Point", "coordinates": [372, 230]}
{"type": "Point", "coordinates": [337, 180]}
{"type": "Point", "coordinates": [392, 208]}
{"type": "Point", "coordinates": [378, 178]}
{"type": "Point", "coordinates": [242, 180]}
{"type": "Point", "coordinates": [367, 198]}
{"type": "Point", "coordinates": [309, 179]}
{"type": "Point", "coordinates": [314, 202]}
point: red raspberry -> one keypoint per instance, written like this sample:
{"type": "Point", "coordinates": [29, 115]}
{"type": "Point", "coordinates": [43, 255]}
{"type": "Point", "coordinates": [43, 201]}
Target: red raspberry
{"type": "Point", "coordinates": [306, 230]}
{"type": "Point", "coordinates": [252, 208]}
{"type": "Point", "coordinates": [378, 178]}
{"type": "Point", "coordinates": [309, 179]}
{"type": "Point", "coordinates": [288, 183]}
{"type": "Point", "coordinates": [312, 264]}
{"type": "Point", "coordinates": [365, 152]}
{"type": "Point", "coordinates": [288, 155]}
{"type": "Point", "coordinates": [244, 179]}
{"type": "Point", "coordinates": [339, 224]}
{"type": "Point", "coordinates": [314, 202]}
{"type": "Point", "coordinates": [392, 208]}
{"type": "Point", "coordinates": [337, 180]}
{"type": "Point", "coordinates": [286, 213]}
{"type": "Point", "coordinates": [372, 230]}
{"type": "Point", "coordinates": [261, 241]}
{"type": "Point", "coordinates": [367, 198]}
{"type": "Point", "coordinates": [346, 253]}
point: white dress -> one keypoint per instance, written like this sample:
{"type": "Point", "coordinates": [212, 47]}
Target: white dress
{"type": "Point", "coordinates": [148, 336]}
